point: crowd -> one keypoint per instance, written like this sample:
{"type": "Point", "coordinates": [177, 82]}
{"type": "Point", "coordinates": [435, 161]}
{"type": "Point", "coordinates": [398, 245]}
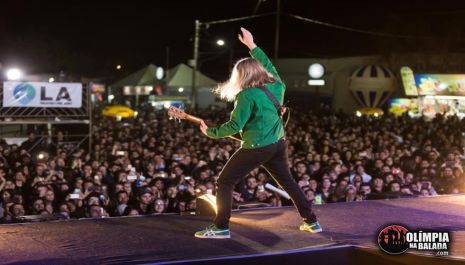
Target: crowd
{"type": "Point", "coordinates": [151, 165]}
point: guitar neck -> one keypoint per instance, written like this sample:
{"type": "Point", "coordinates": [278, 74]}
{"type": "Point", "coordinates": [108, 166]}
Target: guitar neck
{"type": "Point", "coordinates": [193, 119]}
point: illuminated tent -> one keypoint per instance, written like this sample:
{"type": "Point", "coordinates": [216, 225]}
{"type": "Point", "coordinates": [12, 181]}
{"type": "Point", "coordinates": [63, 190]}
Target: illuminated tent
{"type": "Point", "coordinates": [372, 85]}
{"type": "Point", "coordinates": [143, 77]}
{"type": "Point", "coordinates": [181, 76]}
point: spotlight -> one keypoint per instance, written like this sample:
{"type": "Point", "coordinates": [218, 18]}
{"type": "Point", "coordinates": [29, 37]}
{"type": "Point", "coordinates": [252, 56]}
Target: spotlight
{"type": "Point", "coordinates": [206, 205]}
{"type": "Point", "coordinates": [42, 156]}
{"type": "Point", "coordinates": [13, 74]}
{"type": "Point", "coordinates": [220, 42]}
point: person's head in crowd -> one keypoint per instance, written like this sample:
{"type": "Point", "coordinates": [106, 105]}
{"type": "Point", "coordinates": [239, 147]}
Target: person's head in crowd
{"type": "Point", "coordinates": [41, 190]}
{"type": "Point", "coordinates": [405, 189]}
{"type": "Point", "coordinates": [49, 196]}
{"type": "Point", "coordinates": [448, 172]}
{"type": "Point", "coordinates": [313, 184]}
{"type": "Point", "coordinates": [159, 206]}
{"type": "Point", "coordinates": [88, 186]}
{"type": "Point", "coordinates": [178, 171]}
{"type": "Point", "coordinates": [96, 211]}
{"type": "Point", "coordinates": [365, 189]}
{"type": "Point", "coordinates": [191, 205]}
{"type": "Point", "coordinates": [378, 184]}
{"type": "Point", "coordinates": [78, 183]}
{"type": "Point", "coordinates": [350, 193]}
{"type": "Point", "coordinates": [9, 184]}
{"type": "Point", "coordinates": [359, 169]}
{"type": "Point", "coordinates": [119, 187]}
{"type": "Point", "coordinates": [181, 206]}
{"type": "Point", "coordinates": [300, 168]}
{"type": "Point", "coordinates": [38, 205]}
{"type": "Point", "coordinates": [251, 183]}
{"type": "Point", "coordinates": [262, 178]}
{"type": "Point", "coordinates": [64, 210]}
{"type": "Point", "coordinates": [93, 199]}
{"type": "Point", "coordinates": [409, 178]}
{"type": "Point", "coordinates": [379, 164]}
{"type": "Point", "coordinates": [315, 167]}
{"type": "Point", "coordinates": [424, 192]}
{"type": "Point", "coordinates": [122, 197]}
{"type": "Point", "coordinates": [388, 178]}
{"type": "Point", "coordinates": [17, 210]}
{"type": "Point", "coordinates": [394, 186]}
{"type": "Point", "coordinates": [127, 187]}
{"type": "Point", "coordinates": [357, 179]}
{"type": "Point", "coordinates": [171, 192]}
{"type": "Point", "coordinates": [341, 187]}
{"type": "Point", "coordinates": [310, 195]}
{"type": "Point", "coordinates": [6, 196]}
{"type": "Point", "coordinates": [145, 196]}
{"type": "Point", "coordinates": [326, 184]}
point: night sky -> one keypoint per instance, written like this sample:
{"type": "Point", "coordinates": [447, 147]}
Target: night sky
{"type": "Point", "coordinates": [89, 39]}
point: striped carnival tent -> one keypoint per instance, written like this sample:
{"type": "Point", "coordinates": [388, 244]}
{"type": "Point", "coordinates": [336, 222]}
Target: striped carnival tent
{"type": "Point", "coordinates": [372, 85]}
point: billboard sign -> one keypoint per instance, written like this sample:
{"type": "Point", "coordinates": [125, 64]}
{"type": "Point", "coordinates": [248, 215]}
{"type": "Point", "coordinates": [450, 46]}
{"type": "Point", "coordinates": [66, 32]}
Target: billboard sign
{"type": "Point", "coordinates": [42, 94]}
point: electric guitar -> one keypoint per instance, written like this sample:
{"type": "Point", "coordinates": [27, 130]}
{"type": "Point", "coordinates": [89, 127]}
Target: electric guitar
{"type": "Point", "coordinates": [179, 114]}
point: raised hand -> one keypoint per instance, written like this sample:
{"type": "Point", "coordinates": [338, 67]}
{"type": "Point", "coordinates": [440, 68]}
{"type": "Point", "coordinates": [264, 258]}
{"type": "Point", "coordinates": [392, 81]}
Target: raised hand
{"type": "Point", "coordinates": [247, 39]}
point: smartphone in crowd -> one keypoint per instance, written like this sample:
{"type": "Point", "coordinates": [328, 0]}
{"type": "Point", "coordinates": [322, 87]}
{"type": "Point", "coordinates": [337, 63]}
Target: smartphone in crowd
{"type": "Point", "coordinates": [261, 188]}
{"type": "Point", "coordinates": [318, 199]}
{"type": "Point", "coordinates": [132, 177]}
{"type": "Point", "coordinates": [75, 194]}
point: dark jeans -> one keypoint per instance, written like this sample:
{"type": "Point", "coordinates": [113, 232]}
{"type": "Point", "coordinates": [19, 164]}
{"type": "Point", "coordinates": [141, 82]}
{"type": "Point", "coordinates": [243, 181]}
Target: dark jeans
{"type": "Point", "coordinates": [274, 158]}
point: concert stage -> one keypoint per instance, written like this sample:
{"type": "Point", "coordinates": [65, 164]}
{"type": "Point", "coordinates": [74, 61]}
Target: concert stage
{"type": "Point", "coordinates": [259, 236]}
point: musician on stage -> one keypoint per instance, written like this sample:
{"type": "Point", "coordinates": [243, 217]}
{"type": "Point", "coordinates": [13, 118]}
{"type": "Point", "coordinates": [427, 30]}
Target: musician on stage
{"type": "Point", "coordinates": [257, 118]}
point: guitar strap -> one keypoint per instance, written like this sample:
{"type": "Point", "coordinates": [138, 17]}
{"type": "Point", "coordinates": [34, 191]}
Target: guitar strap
{"type": "Point", "coordinates": [279, 108]}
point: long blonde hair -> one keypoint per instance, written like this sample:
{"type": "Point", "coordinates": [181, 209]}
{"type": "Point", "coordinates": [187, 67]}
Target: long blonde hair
{"type": "Point", "coordinates": [246, 73]}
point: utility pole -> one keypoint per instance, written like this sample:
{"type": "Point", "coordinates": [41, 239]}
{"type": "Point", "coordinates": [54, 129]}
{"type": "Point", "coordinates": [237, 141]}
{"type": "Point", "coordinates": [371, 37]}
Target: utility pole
{"type": "Point", "coordinates": [195, 61]}
{"type": "Point", "coordinates": [195, 58]}
{"type": "Point", "coordinates": [276, 36]}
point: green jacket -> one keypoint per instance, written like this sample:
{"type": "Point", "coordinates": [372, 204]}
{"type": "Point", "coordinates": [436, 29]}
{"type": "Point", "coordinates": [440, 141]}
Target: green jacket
{"type": "Point", "coordinates": [254, 116]}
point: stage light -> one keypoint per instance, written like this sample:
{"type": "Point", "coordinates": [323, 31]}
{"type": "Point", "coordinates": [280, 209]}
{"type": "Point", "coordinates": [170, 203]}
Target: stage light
{"type": "Point", "coordinates": [159, 73]}
{"type": "Point", "coordinates": [376, 114]}
{"type": "Point", "coordinates": [316, 70]}
{"type": "Point", "coordinates": [42, 156]}
{"type": "Point", "coordinates": [206, 205]}
{"type": "Point", "coordinates": [220, 42]}
{"type": "Point", "coordinates": [358, 113]}
{"type": "Point", "coordinates": [181, 89]}
{"type": "Point", "coordinates": [51, 80]}
{"type": "Point", "coordinates": [111, 97]}
{"type": "Point", "coordinates": [316, 82]}
{"type": "Point", "coordinates": [13, 74]}
{"type": "Point", "coordinates": [118, 67]}
{"type": "Point", "coordinates": [136, 113]}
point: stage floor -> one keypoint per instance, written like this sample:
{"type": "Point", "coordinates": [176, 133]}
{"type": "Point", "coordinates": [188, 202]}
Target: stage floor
{"type": "Point", "coordinates": [148, 239]}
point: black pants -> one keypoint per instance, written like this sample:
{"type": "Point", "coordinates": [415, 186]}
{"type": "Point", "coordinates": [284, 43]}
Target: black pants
{"type": "Point", "coordinates": [274, 158]}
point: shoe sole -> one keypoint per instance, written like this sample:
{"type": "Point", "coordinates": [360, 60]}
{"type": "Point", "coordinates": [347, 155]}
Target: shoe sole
{"type": "Point", "coordinates": [311, 231]}
{"type": "Point", "coordinates": [213, 237]}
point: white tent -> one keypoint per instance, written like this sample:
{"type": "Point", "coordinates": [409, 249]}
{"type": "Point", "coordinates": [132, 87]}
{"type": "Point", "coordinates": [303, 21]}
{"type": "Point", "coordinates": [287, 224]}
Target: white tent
{"type": "Point", "coordinates": [180, 76]}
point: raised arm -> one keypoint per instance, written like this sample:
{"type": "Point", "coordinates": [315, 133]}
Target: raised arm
{"type": "Point", "coordinates": [247, 39]}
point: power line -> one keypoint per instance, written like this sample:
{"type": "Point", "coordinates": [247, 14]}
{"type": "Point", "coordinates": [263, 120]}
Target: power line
{"type": "Point", "coordinates": [237, 19]}
{"type": "Point", "coordinates": [374, 33]}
